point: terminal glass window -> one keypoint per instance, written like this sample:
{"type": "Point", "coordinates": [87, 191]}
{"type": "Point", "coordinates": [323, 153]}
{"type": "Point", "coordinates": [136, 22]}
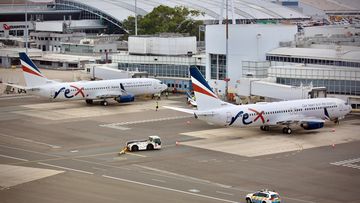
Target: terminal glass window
{"type": "Point", "coordinates": [342, 87]}
{"type": "Point", "coordinates": [217, 66]}
{"type": "Point", "coordinates": [158, 70]}
{"type": "Point", "coordinates": [330, 62]}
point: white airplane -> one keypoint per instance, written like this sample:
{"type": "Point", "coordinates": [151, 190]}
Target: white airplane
{"type": "Point", "coordinates": [307, 113]}
{"type": "Point", "coordinates": [122, 90]}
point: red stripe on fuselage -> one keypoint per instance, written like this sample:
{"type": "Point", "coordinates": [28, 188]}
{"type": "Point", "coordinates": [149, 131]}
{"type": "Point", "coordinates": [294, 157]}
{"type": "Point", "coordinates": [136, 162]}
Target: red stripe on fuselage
{"type": "Point", "coordinates": [28, 70]}
{"type": "Point", "coordinates": [201, 90]}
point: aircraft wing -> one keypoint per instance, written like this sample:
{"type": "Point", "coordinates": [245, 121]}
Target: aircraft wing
{"type": "Point", "coordinates": [108, 95]}
{"type": "Point", "coordinates": [191, 111]}
{"type": "Point", "coordinates": [298, 120]}
{"type": "Point", "coordinates": [113, 94]}
{"type": "Point", "coordinates": [105, 96]}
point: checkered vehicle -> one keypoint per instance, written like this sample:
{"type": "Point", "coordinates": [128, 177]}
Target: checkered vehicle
{"type": "Point", "coordinates": [263, 196]}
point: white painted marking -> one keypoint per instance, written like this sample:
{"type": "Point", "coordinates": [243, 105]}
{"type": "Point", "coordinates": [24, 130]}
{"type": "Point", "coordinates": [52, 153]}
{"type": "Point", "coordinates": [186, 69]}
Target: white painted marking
{"type": "Point", "coordinates": [74, 151]}
{"type": "Point", "coordinates": [119, 125]}
{"type": "Point", "coordinates": [119, 158]}
{"type": "Point", "coordinates": [157, 180]}
{"type": "Point", "coordinates": [11, 157]}
{"type": "Point", "coordinates": [168, 189]}
{"type": "Point", "coordinates": [194, 190]}
{"type": "Point", "coordinates": [298, 200]}
{"type": "Point", "coordinates": [115, 127]}
{"type": "Point", "coordinates": [25, 150]}
{"type": "Point", "coordinates": [348, 161]}
{"type": "Point", "coordinates": [70, 169]}
{"type": "Point", "coordinates": [223, 186]}
{"type": "Point", "coordinates": [15, 97]}
{"type": "Point", "coordinates": [352, 166]}
{"type": "Point", "coordinates": [134, 154]}
{"type": "Point", "coordinates": [224, 193]}
{"type": "Point", "coordinates": [31, 141]}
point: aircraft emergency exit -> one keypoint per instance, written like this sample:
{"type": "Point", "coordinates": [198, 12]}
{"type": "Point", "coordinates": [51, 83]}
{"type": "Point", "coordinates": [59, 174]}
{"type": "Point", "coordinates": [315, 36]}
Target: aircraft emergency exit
{"type": "Point", "coordinates": [122, 90]}
{"type": "Point", "coordinates": [307, 113]}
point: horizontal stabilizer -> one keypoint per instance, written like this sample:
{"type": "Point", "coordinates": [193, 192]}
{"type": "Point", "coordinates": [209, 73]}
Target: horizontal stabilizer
{"type": "Point", "coordinates": [17, 86]}
{"type": "Point", "coordinates": [189, 111]}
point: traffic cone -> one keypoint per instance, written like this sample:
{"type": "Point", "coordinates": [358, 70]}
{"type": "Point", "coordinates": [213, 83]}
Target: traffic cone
{"type": "Point", "coordinates": [333, 145]}
{"type": "Point", "coordinates": [333, 130]}
{"type": "Point", "coordinates": [188, 122]}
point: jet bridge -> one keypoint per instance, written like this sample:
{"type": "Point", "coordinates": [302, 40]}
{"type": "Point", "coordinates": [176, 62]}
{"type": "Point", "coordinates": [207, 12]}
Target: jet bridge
{"type": "Point", "coordinates": [272, 91]}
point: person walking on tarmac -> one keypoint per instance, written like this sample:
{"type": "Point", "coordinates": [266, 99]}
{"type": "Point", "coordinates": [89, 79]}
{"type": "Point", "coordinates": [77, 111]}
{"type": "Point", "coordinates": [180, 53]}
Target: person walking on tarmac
{"type": "Point", "coordinates": [157, 106]}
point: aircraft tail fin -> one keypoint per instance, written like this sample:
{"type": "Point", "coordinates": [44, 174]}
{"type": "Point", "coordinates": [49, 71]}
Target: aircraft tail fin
{"type": "Point", "coordinates": [205, 97]}
{"type": "Point", "coordinates": [32, 74]}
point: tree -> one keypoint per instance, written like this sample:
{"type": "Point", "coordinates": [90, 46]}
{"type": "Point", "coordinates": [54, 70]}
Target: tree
{"type": "Point", "coordinates": [164, 19]}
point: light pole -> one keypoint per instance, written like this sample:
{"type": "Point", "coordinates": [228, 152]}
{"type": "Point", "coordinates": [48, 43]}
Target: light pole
{"type": "Point", "coordinates": [26, 27]}
{"type": "Point", "coordinates": [135, 17]}
{"type": "Point", "coordinates": [227, 52]}
{"type": "Point", "coordinates": [258, 37]}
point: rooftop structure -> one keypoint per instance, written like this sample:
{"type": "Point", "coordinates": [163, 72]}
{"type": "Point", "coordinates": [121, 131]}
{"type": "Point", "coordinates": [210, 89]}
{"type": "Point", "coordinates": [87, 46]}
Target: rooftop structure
{"type": "Point", "coordinates": [341, 56]}
{"type": "Point", "coordinates": [121, 9]}
{"type": "Point", "coordinates": [331, 6]}
{"type": "Point", "coordinates": [112, 13]}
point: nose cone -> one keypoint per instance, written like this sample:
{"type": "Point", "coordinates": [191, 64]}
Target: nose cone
{"type": "Point", "coordinates": [163, 87]}
{"type": "Point", "coordinates": [349, 108]}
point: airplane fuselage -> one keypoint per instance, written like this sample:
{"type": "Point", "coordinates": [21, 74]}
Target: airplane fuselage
{"type": "Point", "coordinates": [268, 114]}
{"type": "Point", "coordinates": [83, 90]}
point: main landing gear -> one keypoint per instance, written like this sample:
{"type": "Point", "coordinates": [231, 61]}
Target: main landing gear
{"type": "Point", "coordinates": [265, 128]}
{"type": "Point", "coordinates": [90, 101]}
{"type": "Point", "coordinates": [104, 103]}
{"type": "Point", "coordinates": [287, 130]}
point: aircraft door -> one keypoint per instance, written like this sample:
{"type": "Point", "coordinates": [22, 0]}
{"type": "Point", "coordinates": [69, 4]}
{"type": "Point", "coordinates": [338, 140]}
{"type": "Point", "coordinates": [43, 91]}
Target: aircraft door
{"type": "Point", "coordinates": [52, 93]}
{"type": "Point", "coordinates": [292, 111]}
{"type": "Point", "coordinates": [228, 117]}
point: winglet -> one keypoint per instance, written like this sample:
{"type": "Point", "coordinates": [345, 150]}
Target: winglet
{"type": "Point", "coordinates": [122, 88]}
{"type": "Point", "coordinates": [327, 116]}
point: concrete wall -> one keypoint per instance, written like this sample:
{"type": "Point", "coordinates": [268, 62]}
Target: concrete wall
{"type": "Point", "coordinates": [109, 47]}
{"type": "Point", "coordinates": [329, 30]}
{"type": "Point", "coordinates": [246, 43]}
{"type": "Point", "coordinates": [49, 26]}
{"type": "Point", "coordinates": [162, 45]}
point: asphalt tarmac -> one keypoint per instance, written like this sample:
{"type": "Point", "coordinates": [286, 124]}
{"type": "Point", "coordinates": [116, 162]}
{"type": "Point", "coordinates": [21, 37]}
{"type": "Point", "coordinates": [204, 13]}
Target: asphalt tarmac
{"type": "Point", "coordinates": [198, 162]}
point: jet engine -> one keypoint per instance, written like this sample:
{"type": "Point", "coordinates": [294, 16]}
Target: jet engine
{"type": "Point", "coordinates": [312, 125]}
{"type": "Point", "coordinates": [125, 98]}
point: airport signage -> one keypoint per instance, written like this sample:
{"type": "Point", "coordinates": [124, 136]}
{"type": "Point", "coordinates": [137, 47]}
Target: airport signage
{"type": "Point", "coordinates": [6, 26]}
